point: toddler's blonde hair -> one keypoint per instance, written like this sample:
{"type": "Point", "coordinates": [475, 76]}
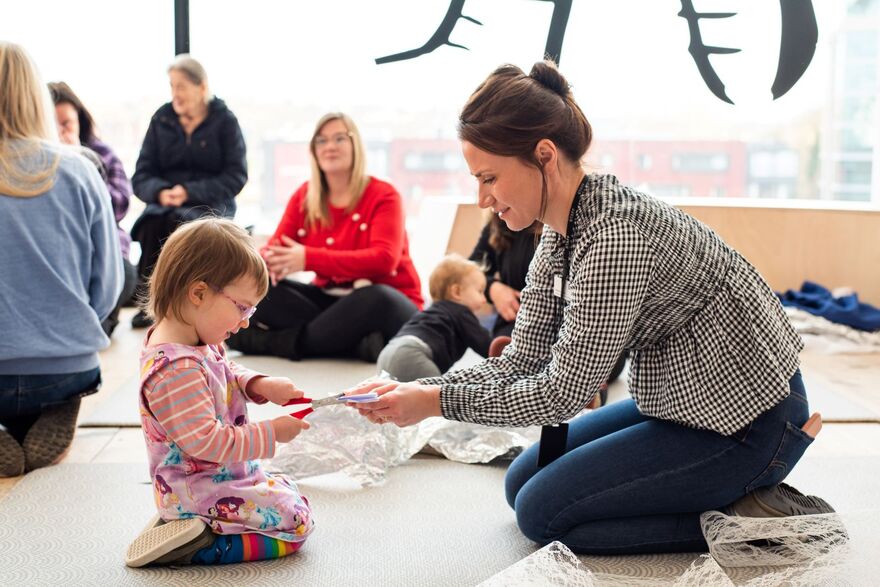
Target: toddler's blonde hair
{"type": "Point", "coordinates": [451, 270]}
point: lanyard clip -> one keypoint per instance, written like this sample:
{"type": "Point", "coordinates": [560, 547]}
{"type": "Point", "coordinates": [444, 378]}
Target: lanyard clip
{"type": "Point", "coordinates": [559, 286]}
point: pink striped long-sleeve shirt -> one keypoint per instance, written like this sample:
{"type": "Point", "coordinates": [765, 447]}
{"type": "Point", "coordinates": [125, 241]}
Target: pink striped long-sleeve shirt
{"type": "Point", "coordinates": [183, 398]}
{"type": "Point", "coordinates": [202, 451]}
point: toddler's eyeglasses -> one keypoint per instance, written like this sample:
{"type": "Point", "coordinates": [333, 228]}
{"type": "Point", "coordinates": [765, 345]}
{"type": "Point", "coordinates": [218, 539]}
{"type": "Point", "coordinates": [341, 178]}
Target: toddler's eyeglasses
{"type": "Point", "coordinates": [246, 311]}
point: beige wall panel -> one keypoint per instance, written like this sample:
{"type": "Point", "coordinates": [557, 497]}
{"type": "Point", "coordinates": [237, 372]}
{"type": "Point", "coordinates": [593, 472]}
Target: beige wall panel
{"type": "Point", "coordinates": [787, 245]}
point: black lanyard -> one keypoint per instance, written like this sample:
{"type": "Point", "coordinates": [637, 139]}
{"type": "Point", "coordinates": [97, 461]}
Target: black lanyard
{"type": "Point", "coordinates": [554, 438]}
{"type": "Point", "coordinates": [560, 282]}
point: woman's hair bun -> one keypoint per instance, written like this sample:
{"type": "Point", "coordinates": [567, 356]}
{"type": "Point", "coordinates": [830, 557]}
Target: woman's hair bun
{"type": "Point", "coordinates": [546, 74]}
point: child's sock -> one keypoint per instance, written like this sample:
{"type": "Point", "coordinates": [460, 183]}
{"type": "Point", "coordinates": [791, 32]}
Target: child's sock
{"type": "Point", "coordinates": [239, 548]}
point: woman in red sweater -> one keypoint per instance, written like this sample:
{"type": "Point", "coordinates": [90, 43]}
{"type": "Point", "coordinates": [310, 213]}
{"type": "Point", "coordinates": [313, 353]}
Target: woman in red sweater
{"type": "Point", "coordinates": [348, 228]}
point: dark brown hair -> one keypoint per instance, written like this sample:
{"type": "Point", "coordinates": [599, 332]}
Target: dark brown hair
{"type": "Point", "coordinates": [510, 112]}
{"type": "Point", "coordinates": [501, 237]}
{"type": "Point", "coordinates": [62, 94]}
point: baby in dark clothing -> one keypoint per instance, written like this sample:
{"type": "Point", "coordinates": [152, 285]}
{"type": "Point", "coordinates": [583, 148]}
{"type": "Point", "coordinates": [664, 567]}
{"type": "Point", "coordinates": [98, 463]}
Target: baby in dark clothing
{"type": "Point", "coordinates": [434, 339]}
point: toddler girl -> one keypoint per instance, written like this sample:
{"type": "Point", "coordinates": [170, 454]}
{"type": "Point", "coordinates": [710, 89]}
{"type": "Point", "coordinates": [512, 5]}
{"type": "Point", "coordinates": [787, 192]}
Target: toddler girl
{"type": "Point", "coordinates": [215, 502]}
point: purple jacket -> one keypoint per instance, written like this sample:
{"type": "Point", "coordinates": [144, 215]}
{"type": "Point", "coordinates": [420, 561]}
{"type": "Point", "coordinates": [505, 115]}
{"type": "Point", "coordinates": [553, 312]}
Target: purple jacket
{"type": "Point", "coordinates": [118, 186]}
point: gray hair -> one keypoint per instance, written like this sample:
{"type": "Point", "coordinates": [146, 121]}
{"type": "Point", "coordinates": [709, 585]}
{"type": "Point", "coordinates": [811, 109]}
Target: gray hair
{"type": "Point", "coordinates": [189, 67]}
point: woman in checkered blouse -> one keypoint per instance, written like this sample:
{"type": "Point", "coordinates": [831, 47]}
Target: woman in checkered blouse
{"type": "Point", "coordinates": [718, 404]}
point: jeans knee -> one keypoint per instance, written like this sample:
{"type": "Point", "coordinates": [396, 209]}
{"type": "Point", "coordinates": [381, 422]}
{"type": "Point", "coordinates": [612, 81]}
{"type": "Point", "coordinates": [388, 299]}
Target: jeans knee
{"type": "Point", "coordinates": [511, 489]}
{"type": "Point", "coordinates": [532, 521]}
{"type": "Point", "coordinates": [518, 474]}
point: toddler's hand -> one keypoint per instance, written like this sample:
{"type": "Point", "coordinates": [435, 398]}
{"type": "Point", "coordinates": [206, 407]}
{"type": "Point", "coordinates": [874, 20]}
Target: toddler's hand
{"type": "Point", "coordinates": [286, 428]}
{"type": "Point", "coordinates": [278, 390]}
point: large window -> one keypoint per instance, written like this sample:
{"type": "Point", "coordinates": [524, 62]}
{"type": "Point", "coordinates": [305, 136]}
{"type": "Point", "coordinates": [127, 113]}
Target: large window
{"type": "Point", "coordinates": [280, 65]}
{"type": "Point", "coordinates": [113, 54]}
{"type": "Point", "coordinates": [657, 125]}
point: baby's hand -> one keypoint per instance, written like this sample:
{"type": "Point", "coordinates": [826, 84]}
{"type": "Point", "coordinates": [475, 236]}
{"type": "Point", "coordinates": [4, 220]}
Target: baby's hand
{"type": "Point", "coordinates": [278, 390]}
{"type": "Point", "coordinates": [286, 428]}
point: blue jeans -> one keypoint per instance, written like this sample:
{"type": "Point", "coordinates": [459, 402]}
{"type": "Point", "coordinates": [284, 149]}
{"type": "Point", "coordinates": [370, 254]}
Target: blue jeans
{"type": "Point", "coordinates": [23, 397]}
{"type": "Point", "coordinates": [631, 484]}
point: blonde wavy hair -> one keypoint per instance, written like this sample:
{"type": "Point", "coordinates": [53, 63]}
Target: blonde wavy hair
{"type": "Point", "coordinates": [316, 207]}
{"type": "Point", "coordinates": [26, 168]}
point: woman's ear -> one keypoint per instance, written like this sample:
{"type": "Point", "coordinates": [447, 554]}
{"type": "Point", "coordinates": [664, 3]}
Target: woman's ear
{"type": "Point", "coordinates": [546, 153]}
{"type": "Point", "coordinates": [196, 293]}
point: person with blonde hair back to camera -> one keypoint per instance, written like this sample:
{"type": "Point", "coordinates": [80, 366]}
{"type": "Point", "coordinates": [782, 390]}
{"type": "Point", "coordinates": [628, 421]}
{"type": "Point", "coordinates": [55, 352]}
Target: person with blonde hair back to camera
{"type": "Point", "coordinates": [719, 413]}
{"type": "Point", "coordinates": [61, 273]}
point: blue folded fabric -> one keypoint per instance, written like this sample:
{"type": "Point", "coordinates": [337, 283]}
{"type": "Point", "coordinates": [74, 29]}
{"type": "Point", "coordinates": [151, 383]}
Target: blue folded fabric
{"type": "Point", "coordinates": [818, 301]}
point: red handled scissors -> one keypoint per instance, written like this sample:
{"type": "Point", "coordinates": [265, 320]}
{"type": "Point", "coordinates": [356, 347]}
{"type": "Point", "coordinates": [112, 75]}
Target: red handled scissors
{"type": "Point", "coordinates": [333, 400]}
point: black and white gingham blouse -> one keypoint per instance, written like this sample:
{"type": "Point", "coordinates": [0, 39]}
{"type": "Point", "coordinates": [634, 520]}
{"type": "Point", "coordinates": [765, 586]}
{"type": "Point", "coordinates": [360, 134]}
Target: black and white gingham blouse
{"type": "Point", "coordinates": [710, 344]}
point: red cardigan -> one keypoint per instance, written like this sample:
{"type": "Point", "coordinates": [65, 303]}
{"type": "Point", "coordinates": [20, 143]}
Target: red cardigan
{"type": "Point", "coordinates": [368, 243]}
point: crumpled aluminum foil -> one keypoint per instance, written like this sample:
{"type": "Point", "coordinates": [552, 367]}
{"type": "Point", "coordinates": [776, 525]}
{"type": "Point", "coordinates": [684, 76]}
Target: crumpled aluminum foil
{"type": "Point", "coordinates": [474, 443]}
{"type": "Point", "coordinates": [797, 551]}
{"type": "Point", "coordinates": [553, 565]}
{"type": "Point", "coordinates": [340, 439]}
{"type": "Point", "coordinates": [736, 541]}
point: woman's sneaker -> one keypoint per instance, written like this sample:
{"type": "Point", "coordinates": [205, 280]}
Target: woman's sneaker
{"type": "Point", "coordinates": [258, 340]}
{"type": "Point", "coordinates": [141, 320]}
{"type": "Point", "coordinates": [11, 456]}
{"type": "Point", "coordinates": [49, 439]}
{"type": "Point", "coordinates": [173, 542]}
{"type": "Point", "coordinates": [369, 347]}
{"type": "Point", "coordinates": [782, 500]}
{"type": "Point", "coordinates": [778, 501]}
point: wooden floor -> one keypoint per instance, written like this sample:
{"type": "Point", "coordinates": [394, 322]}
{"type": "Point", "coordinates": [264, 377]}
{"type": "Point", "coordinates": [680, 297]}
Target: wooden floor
{"type": "Point", "coordinates": [855, 376]}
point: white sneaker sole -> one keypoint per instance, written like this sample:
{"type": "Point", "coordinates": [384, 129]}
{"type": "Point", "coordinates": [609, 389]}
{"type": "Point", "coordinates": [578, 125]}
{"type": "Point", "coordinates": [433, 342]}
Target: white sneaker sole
{"type": "Point", "coordinates": [158, 540]}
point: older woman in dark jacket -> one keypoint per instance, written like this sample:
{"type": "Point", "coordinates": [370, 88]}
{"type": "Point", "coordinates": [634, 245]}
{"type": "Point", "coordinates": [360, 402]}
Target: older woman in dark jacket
{"type": "Point", "coordinates": [192, 163]}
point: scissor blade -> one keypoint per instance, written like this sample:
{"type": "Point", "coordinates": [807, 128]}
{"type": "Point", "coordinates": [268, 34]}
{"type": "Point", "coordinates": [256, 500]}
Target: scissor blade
{"type": "Point", "coordinates": [327, 401]}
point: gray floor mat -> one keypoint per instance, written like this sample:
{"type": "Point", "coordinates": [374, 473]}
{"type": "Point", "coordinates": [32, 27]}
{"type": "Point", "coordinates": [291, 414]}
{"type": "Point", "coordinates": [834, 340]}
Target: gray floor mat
{"type": "Point", "coordinates": [434, 522]}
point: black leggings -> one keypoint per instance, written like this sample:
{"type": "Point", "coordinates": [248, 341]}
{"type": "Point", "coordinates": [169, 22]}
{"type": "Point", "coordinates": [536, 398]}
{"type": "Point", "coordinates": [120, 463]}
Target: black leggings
{"type": "Point", "coordinates": [151, 232]}
{"type": "Point", "coordinates": [502, 327]}
{"type": "Point", "coordinates": [128, 289]}
{"type": "Point", "coordinates": [333, 326]}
